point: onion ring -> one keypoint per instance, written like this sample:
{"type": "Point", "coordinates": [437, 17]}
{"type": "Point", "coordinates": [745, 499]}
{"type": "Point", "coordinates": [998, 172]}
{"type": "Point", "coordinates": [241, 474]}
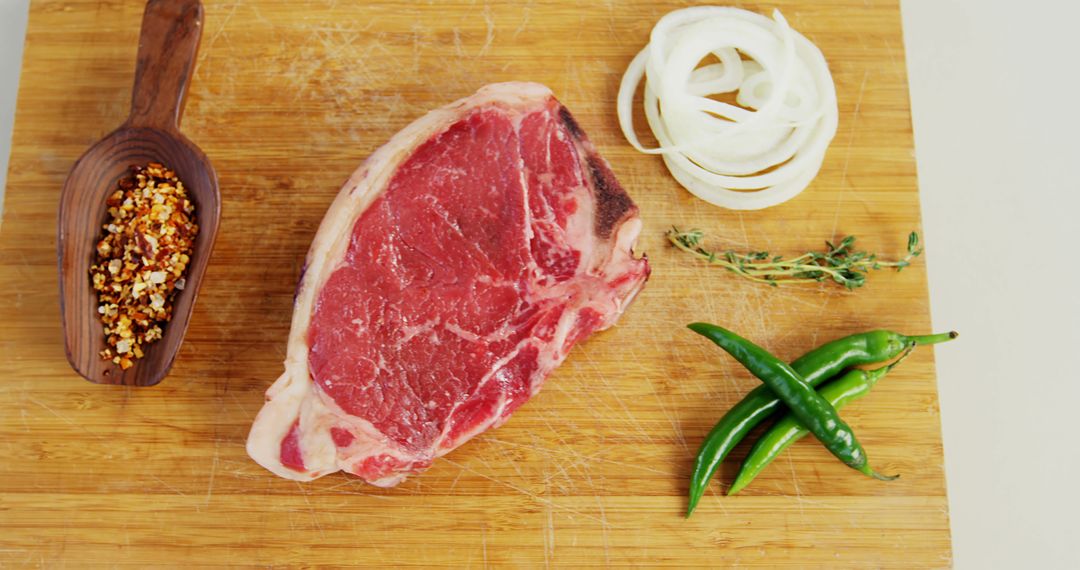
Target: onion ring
{"type": "Point", "coordinates": [759, 153]}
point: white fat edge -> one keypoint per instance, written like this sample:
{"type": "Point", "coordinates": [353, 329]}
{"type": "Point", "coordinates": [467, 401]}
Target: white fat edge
{"type": "Point", "coordinates": [287, 396]}
{"type": "Point", "coordinates": [391, 481]}
{"type": "Point", "coordinates": [579, 229]}
{"type": "Point", "coordinates": [620, 262]}
{"type": "Point", "coordinates": [318, 413]}
{"type": "Point", "coordinates": [284, 400]}
{"type": "Point", "coordinates": [625, 241]}
{"type": "Point", "coordinates": [613, 257]}
{"type": "Point", "coordinates": [367, 442]}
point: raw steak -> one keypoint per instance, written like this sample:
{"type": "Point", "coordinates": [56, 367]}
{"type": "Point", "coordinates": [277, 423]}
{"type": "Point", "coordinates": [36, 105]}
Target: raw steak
{"type": "Point", "coordinates": [455, 270]}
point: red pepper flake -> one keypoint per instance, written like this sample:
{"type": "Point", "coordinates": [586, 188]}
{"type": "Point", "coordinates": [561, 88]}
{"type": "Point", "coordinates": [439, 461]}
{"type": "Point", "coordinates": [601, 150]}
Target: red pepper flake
{"type": "Point", "coordinates": [145, 248]}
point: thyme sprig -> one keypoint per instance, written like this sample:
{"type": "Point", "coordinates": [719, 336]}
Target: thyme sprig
{"type": "Point", "coordinates": [839, 262]}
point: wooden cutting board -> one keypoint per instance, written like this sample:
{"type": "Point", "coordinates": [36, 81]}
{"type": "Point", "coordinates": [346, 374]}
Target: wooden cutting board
{"type": "Point", "coordinates": [287, 99]}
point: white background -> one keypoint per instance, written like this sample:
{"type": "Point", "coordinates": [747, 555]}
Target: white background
{"type": "Point", "coordinates": [995, 88]}
{"type": "Point", "coordinates": [12, 30]}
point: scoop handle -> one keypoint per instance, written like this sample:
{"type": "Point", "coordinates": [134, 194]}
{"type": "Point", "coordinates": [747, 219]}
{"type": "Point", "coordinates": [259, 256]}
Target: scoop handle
{"type": "Point", "coordinates": [168, 44]}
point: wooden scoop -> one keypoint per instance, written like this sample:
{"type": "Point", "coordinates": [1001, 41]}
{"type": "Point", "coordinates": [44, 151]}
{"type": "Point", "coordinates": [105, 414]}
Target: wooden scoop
{"type": "Point", "coordinates": [168, 44]}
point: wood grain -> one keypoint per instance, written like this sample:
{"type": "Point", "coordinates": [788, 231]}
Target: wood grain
{"type": "Point", "coordinates": [168, 44]}
{"type": "Point", "coordinates": [287, 99]}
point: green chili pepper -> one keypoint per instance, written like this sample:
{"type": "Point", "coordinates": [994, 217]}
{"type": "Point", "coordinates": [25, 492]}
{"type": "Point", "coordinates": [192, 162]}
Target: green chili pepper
{"type": "Point", "coordinates": [813, 411]}
{"type": "Point", "coordinates": [787, 430]}
{"type": "Point", "coordinates": [815, 367]}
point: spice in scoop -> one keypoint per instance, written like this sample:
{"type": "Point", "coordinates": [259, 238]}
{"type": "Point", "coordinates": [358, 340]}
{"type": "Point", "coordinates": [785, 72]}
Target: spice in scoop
{"type": "Point", "coordinates": [141, 258]}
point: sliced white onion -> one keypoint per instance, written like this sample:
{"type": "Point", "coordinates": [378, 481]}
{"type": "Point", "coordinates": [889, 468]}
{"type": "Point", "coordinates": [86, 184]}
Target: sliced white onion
{"type": "Point", "coordinates": [749, 156]}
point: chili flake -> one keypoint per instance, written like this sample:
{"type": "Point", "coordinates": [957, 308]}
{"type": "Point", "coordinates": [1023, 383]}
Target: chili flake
{"type": "Point", "coordinates": [141, 258]}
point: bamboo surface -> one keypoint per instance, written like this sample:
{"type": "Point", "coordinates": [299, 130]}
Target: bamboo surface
{"type": "Point", "coordinates": [286, 100]}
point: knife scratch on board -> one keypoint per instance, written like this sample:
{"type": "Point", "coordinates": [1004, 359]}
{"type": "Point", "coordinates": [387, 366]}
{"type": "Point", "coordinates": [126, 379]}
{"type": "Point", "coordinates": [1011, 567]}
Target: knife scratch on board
{"type": "Point", "coordinates": [525, 492]}
{"type": "Point", "coordinates": [170, 487]}
{"type": "Point", "coordinates": [66, 419]}
{"type": "Point", "coordinates": [490, 34]}
{"type": "Point", "coordinates": [526, 13]}
{"type": "Point", "coordinates": [549, 534]}
{"type": "Point", "coordinates": [598, 374]}
{"type": "Point", "coordinates": [676, 428]}
{"type": "Point", "coordinates": [483, 542]}
{"type": "Point", "coordinates": [221, 29]}
{"type": "Point", "coordinates": [310, 509]}
{"type": "Point", "coordinates": [842, 191]}
{"type": "Point", "coordinates": [604, 529]}
{"type": "Point", "coordinates": [213, 472]}
{"type": "Point", "coordinates": [571, 451]}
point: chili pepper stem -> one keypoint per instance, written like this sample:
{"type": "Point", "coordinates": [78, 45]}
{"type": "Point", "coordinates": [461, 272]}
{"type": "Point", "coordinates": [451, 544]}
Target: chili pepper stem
{"type": "Point", "coordinates": [872, 376]}
{"type": "Point", "coordinates": [934, 338]}
{"type": "Point", "coordinates": [866, 470]}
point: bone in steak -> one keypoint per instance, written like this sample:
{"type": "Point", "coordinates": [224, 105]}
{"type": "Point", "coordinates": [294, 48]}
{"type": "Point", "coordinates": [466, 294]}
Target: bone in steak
{"type": "Point", "coordinates": [453, 272]}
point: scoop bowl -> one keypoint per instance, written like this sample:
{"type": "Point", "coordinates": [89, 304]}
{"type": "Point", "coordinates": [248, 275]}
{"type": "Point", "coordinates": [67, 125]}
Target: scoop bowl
{"type": "Point", "coordinates": [168, 44]}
